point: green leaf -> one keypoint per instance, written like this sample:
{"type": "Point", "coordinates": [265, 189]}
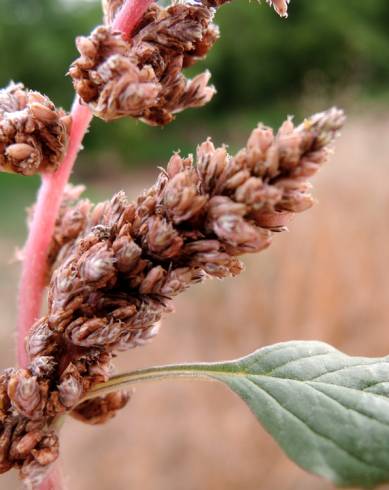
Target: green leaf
{"type": "Point", "coordinates": [328, 411]}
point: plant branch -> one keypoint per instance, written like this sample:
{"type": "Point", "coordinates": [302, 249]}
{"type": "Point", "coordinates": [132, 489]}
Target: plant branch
{"type": "Point", "coordinates": [33, 278]}
{"type": "Point", "coordinates": [129, 16]}
{"type": "Point", "coordinates": [303, 393]}
{"type": "Point", "coordinates": [124, 381]}
{"type": "Point", "coordinates": [34, 268]}
{"type": "Point", "coordinates": [54, 481]}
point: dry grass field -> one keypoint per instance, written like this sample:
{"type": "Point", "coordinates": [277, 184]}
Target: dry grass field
{"type": "Point", "coordinates": [327, 279]}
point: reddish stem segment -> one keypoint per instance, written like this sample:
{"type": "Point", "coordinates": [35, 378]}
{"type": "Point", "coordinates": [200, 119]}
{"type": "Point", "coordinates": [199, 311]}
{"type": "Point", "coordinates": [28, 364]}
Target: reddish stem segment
{"type": "Point", "coordinates": [34, 270]}
{"type": "Point", "coordinates": [129, 16]}
{"type": "Point", "coordinates": [33, 279]}
{"type": "Point", "coordinates": [54, 481]}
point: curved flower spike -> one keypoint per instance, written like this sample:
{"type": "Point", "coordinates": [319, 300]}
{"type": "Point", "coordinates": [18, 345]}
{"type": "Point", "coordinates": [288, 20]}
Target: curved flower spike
{"type": "Point", "coordinates": [121, 264]}
{"type": "Point", "coordinates": [118, 277]}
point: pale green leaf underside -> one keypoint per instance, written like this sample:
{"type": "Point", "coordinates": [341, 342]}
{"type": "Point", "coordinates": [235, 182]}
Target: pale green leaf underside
{"type": "Point", "coordinates": [328, 411]}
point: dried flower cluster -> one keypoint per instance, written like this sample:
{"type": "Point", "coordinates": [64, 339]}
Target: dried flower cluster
{"type": "Point", "coordinates": [71, 221]}
{"type": "Point", "coordinates": [115, 268]}
{"type": "Point", "coordinates": [120, 264]}
{"type": "Point", "coordinates": [143, 78]}
{"type": "Point", "coordinates": [33, 133]}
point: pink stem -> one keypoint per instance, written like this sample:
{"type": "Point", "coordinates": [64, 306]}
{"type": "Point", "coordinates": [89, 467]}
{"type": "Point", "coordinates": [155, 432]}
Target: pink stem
{"type": "Point", "coordinates": [33, 279]}
{"type": "Point", "coordinates": [34, 270]}
{"type": "Point", "coordinates": [129, 15]}
{"type": "Point", "coordinates": [54, 481]}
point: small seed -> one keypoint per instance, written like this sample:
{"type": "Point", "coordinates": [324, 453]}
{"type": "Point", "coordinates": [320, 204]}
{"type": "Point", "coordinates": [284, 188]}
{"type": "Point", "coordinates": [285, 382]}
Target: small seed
{"type": "Point", "coordinates": [27, 443]}
{"type": "Point", "coordinates": [86, 47]}
{"type": "Point", "coordinates": [67, 121]}
{"type": "Point", "coordinates": [42, 112]}
{"type": "Point", "coordinates": [35, 97]}
{"type": "Point", "coordinates": [19, 151]}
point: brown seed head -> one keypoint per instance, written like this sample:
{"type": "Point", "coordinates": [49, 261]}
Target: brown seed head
{"type": "Point", "coordinates": [33, 132]}
{"type": "Point", "coordinates": [116, 280]}
{"type": "Point", "coordinates": [143, 78]}
{"type": "Point", "coordinates": [100, 410]}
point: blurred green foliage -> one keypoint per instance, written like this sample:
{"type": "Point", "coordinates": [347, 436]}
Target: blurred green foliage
{"type": "Point", "coordinates": [263, 66]}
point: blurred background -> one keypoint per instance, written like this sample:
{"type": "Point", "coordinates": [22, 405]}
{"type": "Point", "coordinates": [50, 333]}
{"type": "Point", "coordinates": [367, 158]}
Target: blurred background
{"type": "Point", "coordinates": [326, 279]}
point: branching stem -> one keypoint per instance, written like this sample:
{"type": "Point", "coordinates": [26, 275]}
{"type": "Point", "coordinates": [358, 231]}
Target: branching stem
{"type": "Point", "coordinates": [129, 16]}
{"type": "Point", "coordinates": [34, 268]}
{"type": "Point", "coordinates": [126, 380]}
{"type": "Point", "coordinates": [33, 278]}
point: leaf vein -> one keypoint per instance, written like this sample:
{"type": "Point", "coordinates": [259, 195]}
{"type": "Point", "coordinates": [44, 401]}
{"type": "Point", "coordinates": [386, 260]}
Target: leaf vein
{"type": "Point", "coordinates": [318, 434]}
{"type": "Point", "coordinates": [373, 385]}
{"type": "Point", "coordinates": [386, 425]}
{"type": "Point", "coordinates": [271, 372]}
{"type": "Point", "coordinates": [343, 368]}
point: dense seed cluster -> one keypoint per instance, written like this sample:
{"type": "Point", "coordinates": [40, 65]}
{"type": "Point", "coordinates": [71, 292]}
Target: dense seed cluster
{"type": "Point", "coordinates": [143, 77]}
{"type": "Point", "coordinates": [33, 132]}
{"type": "Point", "coordinates": [119, 265]}
{"type": "Point", "coordinates": [114, 269]}
{"type": "Point", "coordinates": [71, 221]}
